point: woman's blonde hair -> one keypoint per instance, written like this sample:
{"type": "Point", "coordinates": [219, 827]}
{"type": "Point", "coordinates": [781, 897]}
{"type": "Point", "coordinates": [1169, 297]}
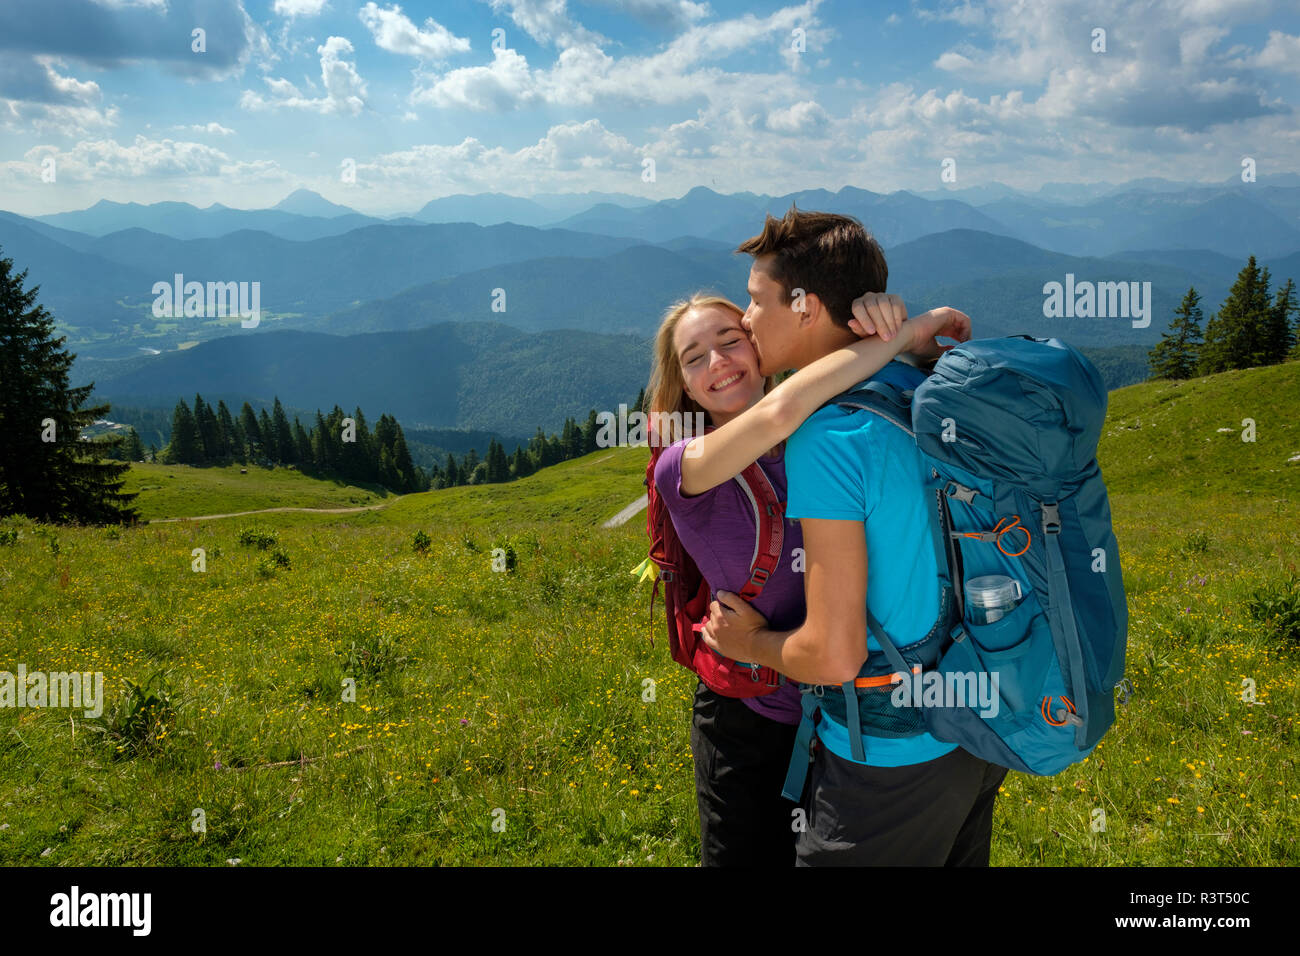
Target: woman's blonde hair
{"type": "Point", "coordinates": [666, 391]}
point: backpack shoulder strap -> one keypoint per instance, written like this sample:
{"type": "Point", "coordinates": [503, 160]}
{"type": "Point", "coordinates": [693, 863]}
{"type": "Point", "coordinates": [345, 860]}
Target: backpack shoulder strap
{"type": "Point", "coordinates": [769, 525]}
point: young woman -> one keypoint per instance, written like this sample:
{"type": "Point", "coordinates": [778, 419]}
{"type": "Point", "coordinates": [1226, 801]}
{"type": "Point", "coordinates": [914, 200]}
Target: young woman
{"type": "Point", "coordinates": [704, 362]}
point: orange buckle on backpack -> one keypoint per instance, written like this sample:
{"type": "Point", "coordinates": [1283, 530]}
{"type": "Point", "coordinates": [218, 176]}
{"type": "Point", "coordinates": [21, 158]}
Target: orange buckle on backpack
{"type": "Point", "coordinates": [996, 535]}
{"type": "Point", "coordinates": [1069, 709]}
{"type": "Point", "coordinates": [884, 680]}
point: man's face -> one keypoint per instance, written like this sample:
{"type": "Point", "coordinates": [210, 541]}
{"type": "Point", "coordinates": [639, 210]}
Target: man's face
{"type": "Point", "coordinates": [771, 321]}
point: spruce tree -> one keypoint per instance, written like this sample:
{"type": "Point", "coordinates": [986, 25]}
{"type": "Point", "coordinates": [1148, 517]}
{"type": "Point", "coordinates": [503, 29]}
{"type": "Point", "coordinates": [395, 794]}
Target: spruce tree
{"type": "Point", "coordinates": [1233, 337]}
{"type": "Point", "coordinates": [282, 434]}
{"type": "Point", "coordinates": [134, 448]}
{"type": "Point", "coordinates": [498, 465]}
{"type": "Point", "coordinates": [185, 447]}
{"type": "Point", "coordinates": [46, 471]}
{"type": "Point", "coordinates": [1279, 337]}
{"type": "Point", "coordinates": [302, 450]}
{"type": "Point", "coordinates": [522, 465]}
{"type": "Point", "coordinates": [1176, 355]}
{"type": "Point", "coordinates": [209, 432]}
{"type": "Point", "coordinates": [402, 463]}
{"type": "Point", "coordinates": [359, 462]}
{"type": "Point", "coordinates": [252, 432]}
{"type": "Point", "coordinates": [226, 429]}
{"type": "Point", "coordinates": [267, 431]}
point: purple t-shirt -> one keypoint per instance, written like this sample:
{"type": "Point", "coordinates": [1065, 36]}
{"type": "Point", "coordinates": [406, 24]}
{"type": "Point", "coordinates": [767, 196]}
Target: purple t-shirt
{"type": "Point", "coordinates": [717, 530]}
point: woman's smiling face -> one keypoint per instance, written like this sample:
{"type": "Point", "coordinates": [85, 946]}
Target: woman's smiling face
{"type": "Point", "coordinates": [719, 365]}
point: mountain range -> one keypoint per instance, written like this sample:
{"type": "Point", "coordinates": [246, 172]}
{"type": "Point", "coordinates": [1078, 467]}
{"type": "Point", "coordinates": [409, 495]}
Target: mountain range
{"type": "Point", "coordinates": [544, 305]}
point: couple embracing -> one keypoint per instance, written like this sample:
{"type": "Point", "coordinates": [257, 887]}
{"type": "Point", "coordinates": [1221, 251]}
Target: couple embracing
{"type": "Point", "coordinates": [854, 541]}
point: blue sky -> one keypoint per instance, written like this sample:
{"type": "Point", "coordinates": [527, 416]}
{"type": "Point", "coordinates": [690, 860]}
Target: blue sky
{"type": "Point", "coordinates": [577, 95]}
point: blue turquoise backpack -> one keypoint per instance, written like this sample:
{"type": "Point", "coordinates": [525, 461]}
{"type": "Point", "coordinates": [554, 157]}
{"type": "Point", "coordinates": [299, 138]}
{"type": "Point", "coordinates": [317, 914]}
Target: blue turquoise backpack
{"type": "Point", "coordinates": [1008, 431]}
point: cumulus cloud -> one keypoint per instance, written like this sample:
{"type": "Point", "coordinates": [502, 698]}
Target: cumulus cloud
{"type": "Point", "coordinates": [144, 158]}
{"type": "Point", "coordinates": [108, 35]}
{"type": "Point", "coordinates": [507, 83]}
{"type": "Point", "coordinates": [1281, 52]}
{"type": "Point", "coordinates": [345, 90]}
{"type": "Point", "coordinates": [1159, 68]}
{"type": "Point", "coordinates": [299, 8]}
{"type": "Point", "coordinates": [546, 21]}
{"type": "Point", "coordinates": [393, 31]}
{"type": "Point", "coordinates": [569, 153]}
{"type": "Point", "coordinates": [35, 95]}
{"type": "Point", "coordinates": [805, 117]}
{"type": "Point", "coordinates": [214, 128]}
{"type": "Point", "coordinates": [669, 14]}
{"type": "Point", "coordinates": [585, 75]}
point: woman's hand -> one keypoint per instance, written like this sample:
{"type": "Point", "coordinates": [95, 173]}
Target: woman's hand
{"type": "Point", "coordinates": [944, 321]}
{"type": "Point", "coordinates": [878, 313]}
{"type": "Point", "coordinates": [732, 626]}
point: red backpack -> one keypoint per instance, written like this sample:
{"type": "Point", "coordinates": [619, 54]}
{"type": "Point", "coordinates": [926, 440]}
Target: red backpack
{"type": "Point", "coordinates": [686, 593]}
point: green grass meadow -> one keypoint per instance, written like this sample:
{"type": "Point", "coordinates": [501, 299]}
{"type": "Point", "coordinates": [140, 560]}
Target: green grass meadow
{"type": "Point", "coordinates": [506, 717]}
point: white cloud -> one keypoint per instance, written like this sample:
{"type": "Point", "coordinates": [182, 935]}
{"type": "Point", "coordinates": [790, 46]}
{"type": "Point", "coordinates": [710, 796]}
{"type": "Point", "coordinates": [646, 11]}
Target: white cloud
{"type": "Point", "coordinates": [345, 90]}
{"type": "Point", "coordinates": [299, 8]}
{"type": "Point", "coordinates": [394, 32]}
{"type": "Point", "coordinates": [569, 154]}
{"type": "Point", "coordinates": [584, 75]}
{"type": "Point", "coordinates": [546, 21]}
{"type": "Point", "coordinates": [1281, 52]}
{"type": "Point", "coordinates": [1160, 67]}
{"type": "Point", "coordinates": [144, 158]}
{"type": "Point", "coordinates": [35, 96]}
{"type": "Point", "coordinates": [963, 13]}
{"type": "Point", "coordinates": [672, 14]}
{"type": "Point", "coordinates": [506, 84]}
{"type": "Point", "coordinates": [804, 117]}
{"type": "Point", "coordinates": [214, 128]}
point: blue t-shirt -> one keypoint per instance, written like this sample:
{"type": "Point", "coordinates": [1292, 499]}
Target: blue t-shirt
{"type": "Point", "coordinates": [852, 465]}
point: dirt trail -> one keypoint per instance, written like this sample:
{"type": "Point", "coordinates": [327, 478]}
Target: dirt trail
{"type": "Point", "coordinates": [262, 511]}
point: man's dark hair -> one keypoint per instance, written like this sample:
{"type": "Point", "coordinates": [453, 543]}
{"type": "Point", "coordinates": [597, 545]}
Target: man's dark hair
{"type": "Point", "coordinates": [830, 256]}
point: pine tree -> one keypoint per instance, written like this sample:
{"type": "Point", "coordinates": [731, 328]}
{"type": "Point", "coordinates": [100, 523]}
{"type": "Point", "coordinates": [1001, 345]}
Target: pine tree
{"type": "Point", "coordinates": [282, 434]}
{"type": "Point", "coordinates": [402, 463]}
{"type": "Point", "coordinates": [1279, 338]}
{"type": "Point", "coordinates": [451, 474]}
{"type": "Point", "coordinates": [134, 448]}
{"type": "Point", "coordinates": [238, 443]}
{"type": "Point", "coordinates": [302, 450]}
{"type": "Point", "coordinates": [1176, 357]}
{"type": "Point", "coordinates": [252, 432]}
{"type": "Point", "coordinates": [226, 429]}
{"type": "Point", "coordinates": [209, 432]}
{"type": "Point", "coordinates": [571, 439]}
{"type": "Point", "coordinates": [498, 465]}
{"type": "Point", "coordinates": [267, 431]}
{"type": "Point", "coordinates": [185, 447]}
{"type": "Point", "coordinates": [537, 448]}
{"type": "Point", "coordinates": [388, 475]}
{"type": "Point", "coordinates": [522, 465]}
{"type": "Point", "coordinates": [1233, 337]}
{"type": "Point", "coordinates": [46, 471]}
{"type": "Point", "coordinates": [358, 461]}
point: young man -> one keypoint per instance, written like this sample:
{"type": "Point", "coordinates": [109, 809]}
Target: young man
{"type": "Point", "coordinates": [856, 483]}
